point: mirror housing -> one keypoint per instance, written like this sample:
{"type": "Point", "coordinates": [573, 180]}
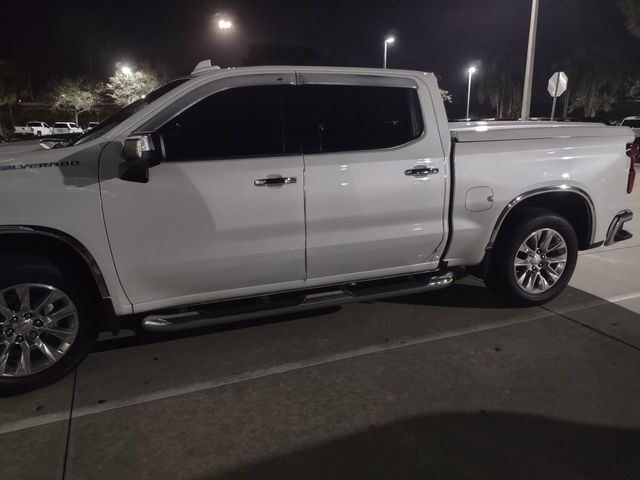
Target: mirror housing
{"type": "Point", "coordinates": [141, 152]}
{"type": "Point", "coordinates": [145, 147]}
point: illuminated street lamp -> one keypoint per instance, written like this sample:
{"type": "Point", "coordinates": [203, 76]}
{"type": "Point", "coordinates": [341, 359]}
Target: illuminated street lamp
{"type": "Point", "coordinates": [470, 71]}
{"type": "Point", "coordinates": [388, 41]}
{"type": "Point", "coordinates": [126, 70]}
{"type": "Point", "coordinates": [224, 24]}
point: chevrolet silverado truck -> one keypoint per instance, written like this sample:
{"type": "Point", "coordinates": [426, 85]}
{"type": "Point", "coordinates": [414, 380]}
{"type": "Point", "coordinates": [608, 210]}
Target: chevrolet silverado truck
{"type": "Point", "coordinates": [38, 129]}
{"type": "Point", "coordinates": [237, 193]}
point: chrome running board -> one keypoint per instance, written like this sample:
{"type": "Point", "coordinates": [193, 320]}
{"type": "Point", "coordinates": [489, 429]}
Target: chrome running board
{"type": "Point", "coordinates": [268, 305]}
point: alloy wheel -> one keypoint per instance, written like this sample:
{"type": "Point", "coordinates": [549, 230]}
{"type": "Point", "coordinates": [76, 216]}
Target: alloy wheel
{"type": "Point", "coordinates": [38, 325]}
{"type": "Point", "coordinates": [540, 261]}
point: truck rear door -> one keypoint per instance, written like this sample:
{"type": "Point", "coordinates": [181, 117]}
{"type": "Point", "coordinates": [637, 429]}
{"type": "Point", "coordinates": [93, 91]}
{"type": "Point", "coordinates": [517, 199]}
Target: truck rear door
{"type": "Point", "coordinates": [374, 175]}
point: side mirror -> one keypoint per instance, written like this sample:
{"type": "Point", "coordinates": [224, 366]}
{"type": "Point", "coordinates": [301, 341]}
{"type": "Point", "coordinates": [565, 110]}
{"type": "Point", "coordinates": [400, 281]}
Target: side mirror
{"type": "Point", "coordinates": [141, 152]}
{"type": "Point", "coordinates": [146, 147]}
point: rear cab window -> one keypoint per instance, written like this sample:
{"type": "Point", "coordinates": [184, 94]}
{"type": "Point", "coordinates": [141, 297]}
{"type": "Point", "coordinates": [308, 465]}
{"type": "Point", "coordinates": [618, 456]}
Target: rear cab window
{"type": "Point", "coordinates": [631, 123]}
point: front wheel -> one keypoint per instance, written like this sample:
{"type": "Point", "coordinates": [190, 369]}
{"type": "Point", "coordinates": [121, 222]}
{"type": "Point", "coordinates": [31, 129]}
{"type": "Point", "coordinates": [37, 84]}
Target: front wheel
{"type": "Point", "coordinates": [533, 261]}
{"type": "Point", "coordinates": [43, 330]}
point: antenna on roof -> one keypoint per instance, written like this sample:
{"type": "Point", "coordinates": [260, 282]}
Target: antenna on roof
{"type": "Point", "coordinates": [203, 66]}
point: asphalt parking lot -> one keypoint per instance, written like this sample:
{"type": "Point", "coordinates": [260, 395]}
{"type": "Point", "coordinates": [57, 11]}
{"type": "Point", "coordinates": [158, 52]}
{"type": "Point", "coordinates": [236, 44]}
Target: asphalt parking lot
{"type": "Point", "coordinates": [454, 384]}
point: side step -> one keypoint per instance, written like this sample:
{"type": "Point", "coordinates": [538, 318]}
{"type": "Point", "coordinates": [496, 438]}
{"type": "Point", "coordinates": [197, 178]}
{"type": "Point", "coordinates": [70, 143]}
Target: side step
{"type": "Point", "coordinates": [268, 305]}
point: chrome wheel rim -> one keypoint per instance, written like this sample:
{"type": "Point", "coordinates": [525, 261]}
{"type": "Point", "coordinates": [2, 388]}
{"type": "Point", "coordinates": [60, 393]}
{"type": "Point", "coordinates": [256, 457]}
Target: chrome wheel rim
{"type": "Point", "coordinates": [38, 325]}
{"type": "Point", "coordinates": [540, 261]}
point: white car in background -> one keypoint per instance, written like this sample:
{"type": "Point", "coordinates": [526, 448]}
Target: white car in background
{"type": "Point", "coordinates": [633, 123]}
{"type": "Point", "coordinates": [38, 129]}
{"type": "Point", "coordinates": [66, 127]}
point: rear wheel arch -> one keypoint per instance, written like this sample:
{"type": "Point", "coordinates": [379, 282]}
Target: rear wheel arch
{"type": "Point", "coordinates": [572, 203]}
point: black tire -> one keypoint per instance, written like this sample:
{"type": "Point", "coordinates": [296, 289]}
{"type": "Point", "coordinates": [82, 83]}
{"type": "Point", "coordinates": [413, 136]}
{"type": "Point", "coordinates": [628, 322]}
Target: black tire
{"type": "Point", "coordinates": [19, 269]}
{"type": "Point", "coordinates": [501, 278]}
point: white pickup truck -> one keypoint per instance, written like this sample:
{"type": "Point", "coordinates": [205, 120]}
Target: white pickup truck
{"type": "Point", "coordinates": [38, 129]}
{"type": "Point", "coordinates": [233, 194]}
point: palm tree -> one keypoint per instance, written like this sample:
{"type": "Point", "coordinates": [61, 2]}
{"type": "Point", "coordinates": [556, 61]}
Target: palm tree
{"type": "Point", "coordinates": [501, 87]}
{"type": "Point", "coordinates": [595, 79]}
{"type": "Point", "coordinates": [12, 86]}
{"type": "Point", "coordinates": [631, 10]}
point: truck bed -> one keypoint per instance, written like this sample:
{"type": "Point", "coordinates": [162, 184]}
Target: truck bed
{"type": "Point", "coordinates": [529, 130]}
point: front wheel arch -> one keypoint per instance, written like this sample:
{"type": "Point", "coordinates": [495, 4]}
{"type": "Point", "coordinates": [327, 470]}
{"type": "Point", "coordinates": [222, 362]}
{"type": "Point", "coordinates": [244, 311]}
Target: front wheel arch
{"type": "Point", "coordinates": [50, 246]}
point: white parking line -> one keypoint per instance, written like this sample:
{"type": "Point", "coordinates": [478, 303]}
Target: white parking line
{"type": "Point", "coordinates": [596, 302]}
{"type": "Point", "coordinates": [41, 420]}
{"type": "Point", "coordinates": [623, 298]}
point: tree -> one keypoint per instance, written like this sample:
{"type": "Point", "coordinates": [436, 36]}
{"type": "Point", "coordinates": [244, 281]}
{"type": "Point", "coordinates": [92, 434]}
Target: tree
{"type": "Point", "coordinates": [595, 80]}
{"type": "Point", "coordinates": [632, 88]}
{"type": "Point", "coordinates": [631, 10]}
{"type": "Point", "coordinates": [74, 95]}
{"type": "Point", "coordinates": [12, 86]}
{"type": "Point", "coordinates": [501, 87]}
{"type": "Point", "coordinates": [125, 88]}
{"type": "Point", "coordinates": [446, 96]}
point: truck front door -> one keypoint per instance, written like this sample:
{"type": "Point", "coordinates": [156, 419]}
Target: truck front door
{"type": "Point", "coordinates": [223, 215]}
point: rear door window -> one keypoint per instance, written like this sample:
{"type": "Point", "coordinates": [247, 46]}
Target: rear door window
{"type": "Point", "coordinates": [341, 118]}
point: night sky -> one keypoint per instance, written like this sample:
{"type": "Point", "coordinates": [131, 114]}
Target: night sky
{"type": "Point", "coordinates": [63, 38]}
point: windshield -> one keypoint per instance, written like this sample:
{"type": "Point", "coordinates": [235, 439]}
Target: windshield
{"type": "Point", "coordinates": [120, 116]}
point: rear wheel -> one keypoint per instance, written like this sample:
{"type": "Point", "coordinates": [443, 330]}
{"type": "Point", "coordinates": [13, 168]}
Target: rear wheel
{"type": "Point", "coordinates": [43, 331]}
{"type": "Point", "coordinates": [534, 258]}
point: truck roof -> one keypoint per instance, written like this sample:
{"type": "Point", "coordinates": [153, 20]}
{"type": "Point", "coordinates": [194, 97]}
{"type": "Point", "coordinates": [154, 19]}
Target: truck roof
{"type": "Point", "coordinates": [205, 68]}
{"type": "Point", "coordinates": [530, 130]}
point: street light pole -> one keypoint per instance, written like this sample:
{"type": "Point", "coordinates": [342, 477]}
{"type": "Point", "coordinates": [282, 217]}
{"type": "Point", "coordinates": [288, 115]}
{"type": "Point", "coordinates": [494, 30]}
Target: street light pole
{"type": "Point", "coordinates": [531, 54]}
{"type": "Point", "coordinates": [471, 71]}
{"type": "Point", "coordinates": [387, 42]}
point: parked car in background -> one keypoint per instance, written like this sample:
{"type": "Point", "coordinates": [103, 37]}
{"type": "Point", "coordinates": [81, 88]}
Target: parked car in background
{"type": "Point", "coordinates": [38, 129]}
{"type": "Point", "coordinates": [66, 127]}
{"type": "Point", "coordinates": [633, 123]}
{"type": "Point", "coordinates": [91, 125]}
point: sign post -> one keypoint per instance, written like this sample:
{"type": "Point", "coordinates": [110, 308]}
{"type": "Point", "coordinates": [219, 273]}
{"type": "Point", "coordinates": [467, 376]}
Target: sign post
{"type": "Point", "coordinates": [557, 86]}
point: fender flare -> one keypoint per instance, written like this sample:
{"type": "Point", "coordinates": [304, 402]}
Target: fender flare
{"type": "Point", "coordinates": [541, 191]}
{"type": "Point", "coordinates": [72, 242]}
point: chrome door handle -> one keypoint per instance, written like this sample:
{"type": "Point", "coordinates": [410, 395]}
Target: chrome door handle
{"type": "Point", "coordinates": [267, 182]}
{"type": "Point", "coordinates": [421, 171]}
